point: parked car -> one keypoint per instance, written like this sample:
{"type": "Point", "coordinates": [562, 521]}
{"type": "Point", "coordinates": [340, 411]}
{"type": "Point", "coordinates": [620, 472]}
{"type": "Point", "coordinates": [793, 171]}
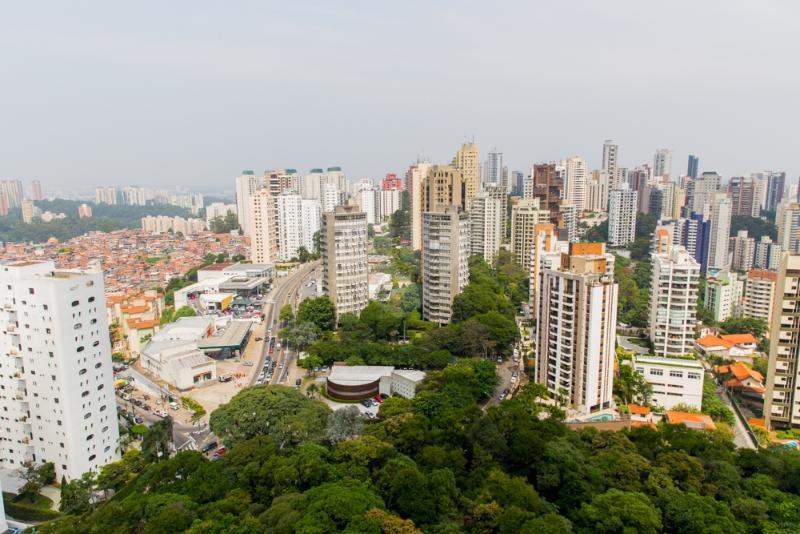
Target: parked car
{"type": "Point", "coordinates": [247, 363]}
{"type": "Point", "coordinates": [366, 403]}
{"type": "Point", "coordinates": [161, 413]}
{"type": "Point", "coordinates": [225, 378]}
{"type": "Point", "coordinates": [138, 419]}
{"type": "Point", "coordinates": [174, 406]}
{"type": "Point", "coordinates": [209, 447]}
{"type": "Point", "coordinates": [378, 399]}
{"type": "Point", "coordinates": [259, 339]}
{"type": "Point", "coordinates": [221, 451]}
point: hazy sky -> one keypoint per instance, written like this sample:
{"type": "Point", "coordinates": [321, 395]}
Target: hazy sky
{"type": "Point", "coordinates": [189, 93]}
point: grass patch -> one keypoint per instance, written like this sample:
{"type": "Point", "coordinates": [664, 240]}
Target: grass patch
{"type": "Point", "coordinates": [639, 342]}
{"type": "Point", "coordinates": [197, 409]}
{"type": "Point", "coordinates": [25, 510]}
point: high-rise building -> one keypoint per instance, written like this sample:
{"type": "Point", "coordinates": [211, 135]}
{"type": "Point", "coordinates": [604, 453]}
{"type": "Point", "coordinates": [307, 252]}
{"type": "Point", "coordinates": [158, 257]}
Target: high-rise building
{"type": "Point", "coordinates": [698, 191]}
{"type": "Point", "coordinates": [311, 215]}
{"type": "Point", "coordinates": [36, 190]}
{"type": "Point", "coordinates": [662, 163]}
{"type": "Point", "coordinates": [246, 185]}
{"type": "Point", "coordinates": [525, 215]}
{"type": "Point", "coordinates": [575, 182]}
{"type": "Point", "coordinates": [776, 185]}
{"type": "Point", "coordinates": [787, 220]}
{"type": "Point", "coordinates": [391, 183]}
{"type": "Point", "coordinates": [290, 223]}
{"type": "Point", "coordinates": [441, 187]}
{"type": "Point", "coordinates": [673, 301]}
{"type": "Point", "coordinates": [622, 216]}
{"type": "Point", "coordinates": [105, 195]}
{"type": "Point", "coordinates": [309, 184]}
{"type": "Point", "coordinates": [281, 180]}
{"type": "Point", "coordinates": [493, 168]}
{"type": "Point", "coordinates": [548, 187]}
{"type": "Point", "coordinates": [57, 393]}
{"type": "Point", "coordinates": [498, 192]}
{"type": "Point", "coordinates": [467, 161]}
{"type": "Point", "coordinates": [389, 201]}
{"type": "Point", "coordinates": [767, 255]}
{"type": "Point", "coordinates": [417, 175]}
{"type": "Point", "coordinates": [219, 209]}
{"type": "Point", "coordinates": [368, 201]}
{"type": "Point", "coordinates": [568, 222]}
{"type": "Point", "coordinates": [576, 327]}
{"type": "Point", "coordinates": [720, 215]}
{"type": "Point", "coordinates": [546, 252]}
{"type": "Point", "coordinates": [444, 261]}
{"type": "Point", "coordinates": [744, 193]}
{"type": "Point", "coordinates": [759, 295]}
{"type": "Point", "coordinates": [29, 211]}
{"type": "Point", "coordinates": [693, 167]}
{"type": "Point", "coordinates": [84, 211]}
{"type": "Point", "coordinates": [610, 162]}
{"type": "Point", "coordinates": [345, 270]}
{"type": "Point", "coordinates": [486, 225]}
{"type": "Point", "coordinates": [13, 191]}
{"type": "Point", "coordinates": [263, 220]}
{"type": "Point", "coordinates": [331, 196]}
{"type": "Point", "coordinates": [596, 197]}
{"type": "Point", "coordinates": [518, 179]}
{"type": "Point", "coordinates": [723, 294]}
{"type": "Point", "coordinates": [782, 398]}
{"type": "Point", "coordinates": [744, 250]}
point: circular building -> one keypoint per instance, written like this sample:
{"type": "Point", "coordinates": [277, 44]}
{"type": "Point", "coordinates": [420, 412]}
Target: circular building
{"type": "Point", "coordinates": [358, 382]}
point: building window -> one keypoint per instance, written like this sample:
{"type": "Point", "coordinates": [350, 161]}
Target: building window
{"type": "Point", "coordinates": [656, 372]}
{"type": "Point", "coordinates": [676, 374]}
{"type": "Point", "coordinates": [693, 376]}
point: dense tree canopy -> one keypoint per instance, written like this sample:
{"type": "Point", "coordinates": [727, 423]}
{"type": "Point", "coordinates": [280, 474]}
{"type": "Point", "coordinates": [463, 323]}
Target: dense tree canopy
{"type": "Point", "coordinates": [320, 311]}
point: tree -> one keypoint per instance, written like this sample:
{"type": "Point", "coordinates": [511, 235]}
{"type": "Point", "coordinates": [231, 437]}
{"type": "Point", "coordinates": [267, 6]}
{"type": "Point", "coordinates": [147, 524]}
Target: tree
{"type": "Point", "coordinates": [280, 412]}
{"type": "Point", "coordinates": [620, 511]}
{"type": "Point", "coordinates": [410, 298]}
{"type": "Point", "coordinates": [184, 311]}
{"type": "Point", "coordinates": [76, 495]}
{"type": "Point", "coordinates": [320, 311]}
{"type": "Point", "coordinates": [755, 226]}
{"type": "Point", "coordinates": [630, 386]}
{"type": "Point", "coordinates": [744, 325]}
{"type": "Point", "coordinates": [303, 254]}
{"type": "Point", "coordinates": [300, 334]}
{"type": "Point", "coordinates": [155, 443]}
{"type": "Point", "coordinates": [286, 314]}
{"type": "Point", "coordinates": [343, 424]}
{"type": "Point", "coordinates": [35, 478]}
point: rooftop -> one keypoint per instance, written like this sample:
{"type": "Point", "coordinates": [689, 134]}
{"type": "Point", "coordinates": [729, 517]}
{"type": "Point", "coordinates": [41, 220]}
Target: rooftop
{"type": "Point", "coordinates": [669, 362]}
{"type": "Point", "coordinates": [358, 374]}
{"type": "Point", "coordinates": [691, 420]}
{"type": "Point", "coordinates": [232, 337]}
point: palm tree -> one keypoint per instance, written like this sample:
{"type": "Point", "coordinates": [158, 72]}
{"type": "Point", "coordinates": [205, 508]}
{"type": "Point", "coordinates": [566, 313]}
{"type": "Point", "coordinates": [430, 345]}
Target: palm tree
{"type": "Point", "coordinates": [312, 390]}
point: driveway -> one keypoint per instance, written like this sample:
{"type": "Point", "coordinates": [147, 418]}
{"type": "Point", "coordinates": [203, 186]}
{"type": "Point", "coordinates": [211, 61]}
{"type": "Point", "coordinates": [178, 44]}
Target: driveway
{"type": "Point", "coordinates": [625, 343]}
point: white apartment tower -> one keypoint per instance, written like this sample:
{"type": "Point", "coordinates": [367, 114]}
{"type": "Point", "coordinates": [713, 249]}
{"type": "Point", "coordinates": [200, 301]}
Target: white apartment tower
{"type": "Point", "coordinates": [673, 301]}
{"type": "Point", "coordinates": [445, 261]}
{"type": "Point", "coordinates": [622, 216]}
{"type": "Point", "coordinates": [344, 259]}
{"type": "Point", "coordinates": [486, 225]}
{"type": "Point", "coordinates": [576, 328]}
{"type": "Point", "coordinates": [720, 215]}
{"type": "Point", "coordinates": [782, 398]}
{"type": "Point", "coordinates": [576, 182]}
{"type": "Point", "coordinates": [610, 162]}
{"type": "Point", "coordinates": [311, 216]}
{"type": "Point", "coordinates": [263, 232]}
{"type": "Point", "coordinates": [744, 250]}
{"type": "Point", "coordinates": [788, 221]}
{"type": "Point", "coordinates": [246, 185]}
{"type": "Point", "coordinates": [57, 384]}
{"type": "Point", "coordinates": [290, 225]}
{"type": "Point", "coordinates": [759, 295]}
{"type": "Point", "coordinates": [662, 163]}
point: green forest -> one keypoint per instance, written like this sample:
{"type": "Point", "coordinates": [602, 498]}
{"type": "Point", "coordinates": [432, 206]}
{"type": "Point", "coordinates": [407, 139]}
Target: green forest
{"type": "Point", "coordinates": [105, 218]}
{"type": "Point", "coordinates": [439, 463]}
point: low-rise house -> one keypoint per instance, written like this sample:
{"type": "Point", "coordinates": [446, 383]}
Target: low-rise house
{"type": "Point", "coordinates": [174, 354]}
{"type": "Point", "coordinates": [747, 382]}
{"type": "Point", "coordinates": [697, 421]}
{"type": "Point", "coordinates": [730, 347]}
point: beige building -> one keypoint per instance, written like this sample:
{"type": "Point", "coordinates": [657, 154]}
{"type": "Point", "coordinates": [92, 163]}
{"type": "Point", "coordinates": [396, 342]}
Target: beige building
{"type": "Point", "coordinates": [782, 398]}
{"type": "Point", "coordinates": [345, 270]}
{"type": "Point", "coordinates": [576, 328]}
{"type": "Point", "coordinates": [442, 186]}
{"type": "Point", "coordinates": [445, 261]}
{"type": "Point", "coordinates": [759, 295]}
{"type": "Point", "coordinates": [263, 222]}
{"type": "Point", "coordinates": [416, 178]}
{"type": "Point", "coordinates": [467, 161]}
{"type": "Point", "coordinates": [526, 214]}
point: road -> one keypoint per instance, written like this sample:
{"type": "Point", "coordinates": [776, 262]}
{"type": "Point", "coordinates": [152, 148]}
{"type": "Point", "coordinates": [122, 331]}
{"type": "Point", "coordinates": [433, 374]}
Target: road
{"type": "Point", "coordinates": [741, 437]}
{"type": "Point", "coordinates": [284, 292]}
{"type": "Point", "coordinates": [626, 344]}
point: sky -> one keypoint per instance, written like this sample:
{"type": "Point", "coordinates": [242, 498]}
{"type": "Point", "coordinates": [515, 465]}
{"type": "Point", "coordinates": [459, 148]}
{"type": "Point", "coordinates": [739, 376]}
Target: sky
{"type": "Point", "coordinates": [189, 93]}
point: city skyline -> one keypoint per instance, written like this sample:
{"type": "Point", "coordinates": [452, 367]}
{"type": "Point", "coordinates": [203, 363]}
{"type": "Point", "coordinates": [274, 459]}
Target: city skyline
{"type": "Point", "coordinates": [150, 101]}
